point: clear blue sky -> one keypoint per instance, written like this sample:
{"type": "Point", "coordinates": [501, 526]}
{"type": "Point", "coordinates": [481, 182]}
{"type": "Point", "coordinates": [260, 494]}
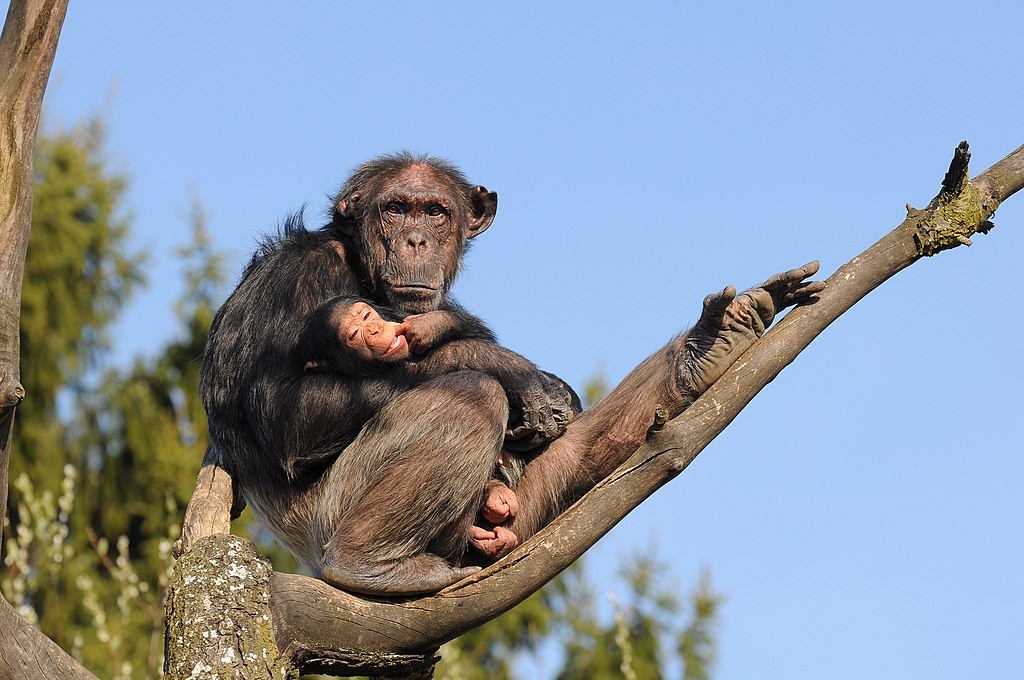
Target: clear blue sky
{"type": "Point", "coordinates": [863, 515]}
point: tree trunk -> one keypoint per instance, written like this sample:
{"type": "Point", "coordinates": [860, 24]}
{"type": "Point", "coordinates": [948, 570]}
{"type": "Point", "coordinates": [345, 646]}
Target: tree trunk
{"type": "Point", "coordinates": [27, 46]}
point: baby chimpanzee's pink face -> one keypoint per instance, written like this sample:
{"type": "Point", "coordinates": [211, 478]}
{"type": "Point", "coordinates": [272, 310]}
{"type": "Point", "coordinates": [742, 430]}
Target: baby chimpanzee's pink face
{"type": "Point", "coordinates": [371, 337]}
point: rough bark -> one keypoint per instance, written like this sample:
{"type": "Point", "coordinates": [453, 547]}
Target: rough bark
{"type": "Point", "coordinates": [208, 512]}
{"type": "Point", "coordinates": [27, 46]}
{"type": "Point", "coordinates": [318, 627]}
{"type": "Point", "coordinates": [218, 607]}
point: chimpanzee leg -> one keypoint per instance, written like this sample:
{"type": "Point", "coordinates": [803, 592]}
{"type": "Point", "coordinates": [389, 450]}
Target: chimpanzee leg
{"type": "Point", "coordinates": [397, 506]}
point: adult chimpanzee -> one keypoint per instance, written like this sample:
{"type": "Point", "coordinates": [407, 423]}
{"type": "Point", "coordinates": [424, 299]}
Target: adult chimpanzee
{"type": "Point", "coordinates": [391, 510]}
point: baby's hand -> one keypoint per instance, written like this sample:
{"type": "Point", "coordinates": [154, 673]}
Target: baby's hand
{"type": "Point", "coordinates": [424, 331]}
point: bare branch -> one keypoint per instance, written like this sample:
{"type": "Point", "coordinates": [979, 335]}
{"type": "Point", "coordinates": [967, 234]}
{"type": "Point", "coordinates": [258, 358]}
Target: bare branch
{"type": "Point", "coordinates": [27, 46]}
{"type": "Point", "coordinates": [209, 510]}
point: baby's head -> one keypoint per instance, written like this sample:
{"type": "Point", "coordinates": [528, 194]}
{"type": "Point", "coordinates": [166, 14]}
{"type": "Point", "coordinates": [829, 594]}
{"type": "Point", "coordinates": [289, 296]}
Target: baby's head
{"type": "Point", "coordinates": [369, 337]}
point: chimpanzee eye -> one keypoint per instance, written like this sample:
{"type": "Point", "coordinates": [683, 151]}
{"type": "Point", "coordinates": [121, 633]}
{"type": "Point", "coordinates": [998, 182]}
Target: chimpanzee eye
{"type": "Point", "coordinates": [394, 208]}
{"type": "Point", "coordinates": [436, 211]}
{"type": "Point", "coordinates": [352, 335]}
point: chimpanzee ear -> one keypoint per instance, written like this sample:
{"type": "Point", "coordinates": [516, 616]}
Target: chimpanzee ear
{"type": "Point", "coordinates": [484, 205]}
{"type": "Point", "coordinates": [346, 215]}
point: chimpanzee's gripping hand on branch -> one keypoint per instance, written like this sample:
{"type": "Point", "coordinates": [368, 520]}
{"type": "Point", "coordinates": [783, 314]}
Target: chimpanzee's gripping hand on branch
{"type": "Point", "coordinates": [540, 407]}
{"type": "Point", "coordinates": [731, 323]}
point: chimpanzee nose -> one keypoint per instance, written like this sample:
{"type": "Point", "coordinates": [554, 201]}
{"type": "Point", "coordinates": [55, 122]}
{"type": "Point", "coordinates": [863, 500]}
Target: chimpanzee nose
{"type": "Point", "coordinates": [416, 242]}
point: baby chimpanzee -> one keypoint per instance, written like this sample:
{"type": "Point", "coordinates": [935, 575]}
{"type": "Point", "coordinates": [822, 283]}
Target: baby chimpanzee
{"type": "Point", "coordinates": [372, 338]}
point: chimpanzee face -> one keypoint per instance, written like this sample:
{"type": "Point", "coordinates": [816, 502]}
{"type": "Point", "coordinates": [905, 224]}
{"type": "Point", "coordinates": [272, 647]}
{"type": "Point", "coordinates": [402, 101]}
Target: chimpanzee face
{"type": "Point", "coordinates": [411, 230]}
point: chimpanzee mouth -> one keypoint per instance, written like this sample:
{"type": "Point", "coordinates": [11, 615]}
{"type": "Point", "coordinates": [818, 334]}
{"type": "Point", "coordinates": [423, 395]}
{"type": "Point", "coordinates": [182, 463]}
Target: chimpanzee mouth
{"type": "Point", "coordinates": [414, 299]}
{"type": "Point", "coordinates": [414, 290]}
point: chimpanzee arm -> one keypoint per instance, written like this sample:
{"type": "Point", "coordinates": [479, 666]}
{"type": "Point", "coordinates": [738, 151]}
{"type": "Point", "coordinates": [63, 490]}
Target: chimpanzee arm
{"type": "Point", "coordinates": [321, 341]}
{"type": "Point", "coordinates": [426, 331]}
{"type": "Point", "coordinates": [606, 434]}
{"type": "Point", "coordinates": [540, 405]}
{"type": "Point", "coordinates": [307, 419]}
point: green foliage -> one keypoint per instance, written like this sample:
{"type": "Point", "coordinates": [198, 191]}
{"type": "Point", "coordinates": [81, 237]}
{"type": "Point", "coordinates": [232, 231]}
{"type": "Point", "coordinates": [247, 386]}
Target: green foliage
{"type": "Point", "coordinates": [142, 433]}
{"type": "Point", "coordinates": [141, 436]}
{"type": "Point", "coordinates": [47, 571]}
{"type": "Point", "coordinates": [649, 634]}
{"type": "Point", "coordinates": [487, 652]}
{"type": "Point", "coordinates": [78, 275]}
{"type": "Point", "coordinates": [634, 643]}
{"type": "Point", "coordinates": [595, 388]}
{"type": "Point", "coordinates": [696, 643]}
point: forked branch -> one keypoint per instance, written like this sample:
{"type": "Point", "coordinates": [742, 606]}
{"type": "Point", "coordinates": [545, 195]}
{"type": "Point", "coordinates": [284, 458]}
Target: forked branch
{"type": "Point", "coordinates": [321, 628]}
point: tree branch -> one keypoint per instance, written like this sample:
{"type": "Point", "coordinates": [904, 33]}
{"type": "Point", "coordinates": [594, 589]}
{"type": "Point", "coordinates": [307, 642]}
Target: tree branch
{"type": "Point", "coordinates": [27, 47]}
{"type": "Point", "coordinates": [311, 619]}
{"type": "Point", "coordinates": [209, 509]}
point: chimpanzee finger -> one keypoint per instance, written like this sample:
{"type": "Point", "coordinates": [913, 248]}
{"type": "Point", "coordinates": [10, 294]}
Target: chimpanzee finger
{"type": "Point", "coordinates": [522, 438]}
{"type": "Point", "coordinates": [481, 534]}
{"type": "Point", "coordinates": [761, 309]}
{"type": "Point", "coordinates": [805, 291]}
{"type": "Point", "coordinates": [788, 278]}
{"type": "Point", "coordinates": [715, 304]}
{"type": "Point", "coordinates": [493, 543]}
{"type": "Point", "coordinates": [783, 285]}
{"type": "Point", "coordinates": [811, 268]}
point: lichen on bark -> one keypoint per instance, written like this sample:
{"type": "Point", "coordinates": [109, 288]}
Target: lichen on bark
{"type": "Point", "coordinates": [951, 223]}
{"type": "Point", "coordinates": [218, 618]}
{"type": "Point", "coordinates": [955, 215]}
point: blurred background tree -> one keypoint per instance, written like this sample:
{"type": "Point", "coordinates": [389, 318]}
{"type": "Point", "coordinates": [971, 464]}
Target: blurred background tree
{"type": "Point", "coordinates": [105, 457]}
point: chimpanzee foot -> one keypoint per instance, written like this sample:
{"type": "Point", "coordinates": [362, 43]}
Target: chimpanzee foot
{"type": "Point", "coordinates": [493, 543]}
{"type": "Point", "coordinates": [417, 575]}
{"type": "Point", "coordinates": [500, 503]}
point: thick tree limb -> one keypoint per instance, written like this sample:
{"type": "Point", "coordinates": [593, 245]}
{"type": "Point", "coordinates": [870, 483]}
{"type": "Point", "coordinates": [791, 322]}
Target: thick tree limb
{"type": "Point", "coordinates": [27, 654]}
{"type": "Point", "coordinates": [27, 47]}
{"type": "Point", "coordinates": [312, 620]}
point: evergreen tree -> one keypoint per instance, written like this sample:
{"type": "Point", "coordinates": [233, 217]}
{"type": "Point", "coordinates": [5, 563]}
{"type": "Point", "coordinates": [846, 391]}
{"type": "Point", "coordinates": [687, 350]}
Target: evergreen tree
{"type": "Point", "coordinates": [696, 643]}
{"type": "Point", "coordinates": [489, 652]}
{"type": "Point", "coordinates": [104, 460]}
{"type": "Point", "coordinates": [78, 275]}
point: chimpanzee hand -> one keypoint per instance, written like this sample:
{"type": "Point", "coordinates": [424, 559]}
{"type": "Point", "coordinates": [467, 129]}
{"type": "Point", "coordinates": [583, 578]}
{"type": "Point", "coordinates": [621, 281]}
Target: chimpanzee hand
{"type": "Point", "coordinates": [494, 542]}
{"type": "Point", "coordinates": [425, 331]}
{"type": "Point", "coordinates": [731, 323]}
{"type": "Point", "coordinates": [540, 404]}
{"type": "Point", "coordinates": [487, 535]}
{"type": "Point", "coordinates": [500, 503]}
